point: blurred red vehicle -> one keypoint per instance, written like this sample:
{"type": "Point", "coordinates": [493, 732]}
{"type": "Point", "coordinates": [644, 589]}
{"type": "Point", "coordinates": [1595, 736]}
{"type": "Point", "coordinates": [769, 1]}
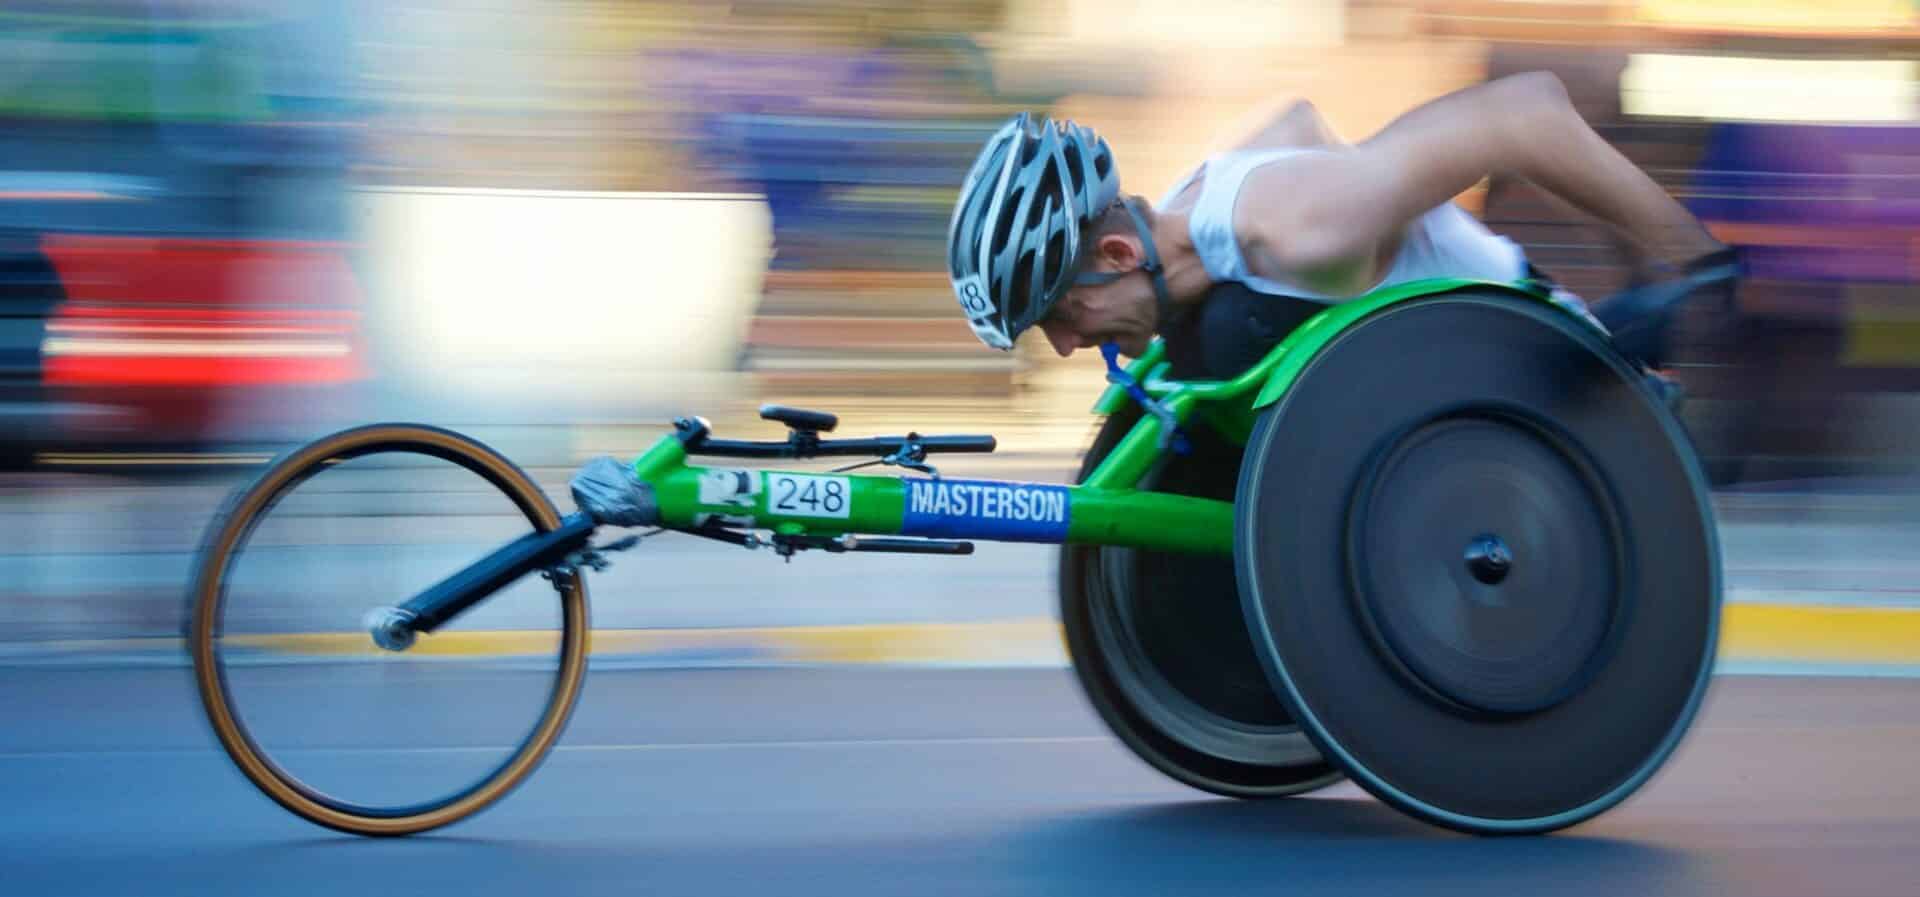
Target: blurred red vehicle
{"type": "Point", "coordinates": [175, 276]}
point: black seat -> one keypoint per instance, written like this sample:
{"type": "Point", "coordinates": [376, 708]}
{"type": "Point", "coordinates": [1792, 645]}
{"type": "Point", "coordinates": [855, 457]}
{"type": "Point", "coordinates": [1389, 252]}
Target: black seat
{"type": "Point", "coordinates": [1232, 330]}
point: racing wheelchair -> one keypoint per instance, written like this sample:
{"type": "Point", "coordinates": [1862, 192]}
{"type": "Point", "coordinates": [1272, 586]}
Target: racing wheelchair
{"type": "Point", "coordinates": [1444, 540]}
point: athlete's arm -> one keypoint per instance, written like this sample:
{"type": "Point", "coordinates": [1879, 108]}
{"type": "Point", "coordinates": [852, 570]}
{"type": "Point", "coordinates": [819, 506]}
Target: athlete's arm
{"type": "Point", "coordinates": [1329, 214]}
{"type": "Point", "coordinates": [1299, 125]}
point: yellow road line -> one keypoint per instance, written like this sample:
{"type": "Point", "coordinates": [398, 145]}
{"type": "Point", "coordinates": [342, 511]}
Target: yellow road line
{"type": "Point", "coordinates": [1011, 641]}
{"type": "Point", "coordinates": [1750, 632]}
{"type": "Point", "coordinates": [1785, 632]}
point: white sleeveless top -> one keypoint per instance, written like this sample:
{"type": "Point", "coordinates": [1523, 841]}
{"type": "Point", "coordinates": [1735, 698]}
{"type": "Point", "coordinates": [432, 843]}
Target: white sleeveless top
{"type": "Point", "coordinates": [1443, 242]}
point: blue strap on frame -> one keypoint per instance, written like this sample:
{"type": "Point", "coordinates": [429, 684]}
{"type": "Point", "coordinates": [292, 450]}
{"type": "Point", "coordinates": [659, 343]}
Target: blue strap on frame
{"type": "Point", "coordinates": [1170, 432]}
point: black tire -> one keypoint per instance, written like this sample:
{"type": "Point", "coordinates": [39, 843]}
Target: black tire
{"type": "Point", "coordinates": [1480, 563]}
{"type": "Point", "coordinates": [1160, 648]}
{"type": "Point", "coordinates": [228, 535]}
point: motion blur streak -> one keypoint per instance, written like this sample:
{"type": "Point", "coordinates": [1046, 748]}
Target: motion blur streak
{"type": "Point", "coordinates": [229, 226]}
{"type": "Point", "coordinates": [131, 300]}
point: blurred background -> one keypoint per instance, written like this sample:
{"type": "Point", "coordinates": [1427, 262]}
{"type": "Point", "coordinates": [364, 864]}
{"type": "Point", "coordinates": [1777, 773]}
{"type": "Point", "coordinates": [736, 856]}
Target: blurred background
{"type": "Point", "coordinates": [226, 226]}
{"type": "Point", "coordinates": [229, 226]}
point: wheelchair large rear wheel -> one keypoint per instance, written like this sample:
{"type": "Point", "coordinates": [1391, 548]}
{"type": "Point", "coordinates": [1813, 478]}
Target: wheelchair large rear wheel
{"type": "Point", "coordinates": [1160, 646]}
{"type": "Point", "coordinates": [1478, 563]}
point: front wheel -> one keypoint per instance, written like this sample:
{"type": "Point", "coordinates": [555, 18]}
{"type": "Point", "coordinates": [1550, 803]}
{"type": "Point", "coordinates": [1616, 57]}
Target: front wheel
{"type": "Point", "coordinates": [335, 728]}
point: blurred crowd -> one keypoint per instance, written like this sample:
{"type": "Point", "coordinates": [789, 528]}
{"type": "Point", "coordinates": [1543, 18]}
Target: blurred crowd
{"type": "Point", "coordinates": [187, 262]}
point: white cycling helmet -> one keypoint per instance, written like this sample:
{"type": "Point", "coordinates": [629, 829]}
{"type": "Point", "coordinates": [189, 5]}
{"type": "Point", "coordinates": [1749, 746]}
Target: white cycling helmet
{"type": "Point", "coordinates": [1015, 233]}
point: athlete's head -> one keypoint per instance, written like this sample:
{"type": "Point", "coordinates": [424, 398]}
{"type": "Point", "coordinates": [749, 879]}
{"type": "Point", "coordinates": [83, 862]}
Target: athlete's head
{"type": "Point", "coordinates": [1104, 303]}
{"type": "Point", "coordinates": [1041, 216]}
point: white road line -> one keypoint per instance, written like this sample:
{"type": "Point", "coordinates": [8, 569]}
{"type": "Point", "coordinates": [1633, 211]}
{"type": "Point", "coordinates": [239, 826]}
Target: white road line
{"type": "Point", "coordinates": [1825, 669]}
{"type": "Point", "coordinates": [593, 748]}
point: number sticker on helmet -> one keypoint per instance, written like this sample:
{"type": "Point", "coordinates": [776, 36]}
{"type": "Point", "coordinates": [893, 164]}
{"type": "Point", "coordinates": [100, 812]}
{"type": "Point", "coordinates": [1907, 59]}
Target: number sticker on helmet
{"type": "Point", "coordinates": [973, 295]}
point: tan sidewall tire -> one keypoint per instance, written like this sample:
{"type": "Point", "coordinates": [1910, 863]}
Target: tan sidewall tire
{"type": "Point", "coordinates": [207, 595]}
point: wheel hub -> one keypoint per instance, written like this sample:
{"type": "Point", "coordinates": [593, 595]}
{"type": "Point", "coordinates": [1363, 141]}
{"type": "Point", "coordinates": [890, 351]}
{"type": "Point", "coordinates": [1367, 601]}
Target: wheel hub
{"type": "Point", "coordinates": [1512, 622]}
{"type": "Point", "coordinates": [1489, 560]}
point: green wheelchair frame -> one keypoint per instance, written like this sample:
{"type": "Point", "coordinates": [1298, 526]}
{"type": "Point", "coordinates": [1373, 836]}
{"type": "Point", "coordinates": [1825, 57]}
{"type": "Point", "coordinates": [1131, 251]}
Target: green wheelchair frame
{"type": "Point", "coordinates": [1104, 509]}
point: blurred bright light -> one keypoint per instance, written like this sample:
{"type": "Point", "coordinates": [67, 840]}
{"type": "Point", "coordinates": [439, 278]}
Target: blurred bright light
{"type": "Point", "coordinates": [565, 293]}
{"type": "Point", "coordinates": [1827, 16]}
{"type": "Point", "coordinates": [1750, 89]}
{"type": "Point", "coordinates": [84, 340]}
{"type": "Point", "coordinates": [1204, 24]}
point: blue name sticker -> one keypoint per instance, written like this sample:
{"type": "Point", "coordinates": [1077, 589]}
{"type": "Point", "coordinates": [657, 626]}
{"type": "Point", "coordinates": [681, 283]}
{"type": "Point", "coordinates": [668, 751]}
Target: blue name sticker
{"type": "Point", "coordinates": [982, 509]}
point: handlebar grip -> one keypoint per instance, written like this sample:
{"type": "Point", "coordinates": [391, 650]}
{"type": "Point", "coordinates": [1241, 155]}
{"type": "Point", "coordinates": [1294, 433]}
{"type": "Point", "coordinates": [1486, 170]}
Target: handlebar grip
{"type": "Point", "coordinates": [978, 444]}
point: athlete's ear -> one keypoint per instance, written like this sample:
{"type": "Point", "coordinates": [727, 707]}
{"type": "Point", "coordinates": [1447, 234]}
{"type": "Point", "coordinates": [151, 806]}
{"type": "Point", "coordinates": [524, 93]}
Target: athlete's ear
{"type": "Point", "coordinates": [1122, 251]}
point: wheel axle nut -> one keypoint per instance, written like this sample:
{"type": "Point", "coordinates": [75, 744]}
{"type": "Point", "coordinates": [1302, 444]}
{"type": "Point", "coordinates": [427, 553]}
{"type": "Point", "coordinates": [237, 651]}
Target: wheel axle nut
{"type": "Point", "coordinates": [391, 628]}
{"type": "Point", "coordinates": [1489, 560]}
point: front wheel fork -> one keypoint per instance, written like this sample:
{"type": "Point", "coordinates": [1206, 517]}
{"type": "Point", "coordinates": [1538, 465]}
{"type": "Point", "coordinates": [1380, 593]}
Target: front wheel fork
{"type": "Point", "coordinates": [395, 628]}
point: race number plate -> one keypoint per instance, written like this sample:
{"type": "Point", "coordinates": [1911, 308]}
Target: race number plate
{"type": "Point", "coordinates": [800, 495]}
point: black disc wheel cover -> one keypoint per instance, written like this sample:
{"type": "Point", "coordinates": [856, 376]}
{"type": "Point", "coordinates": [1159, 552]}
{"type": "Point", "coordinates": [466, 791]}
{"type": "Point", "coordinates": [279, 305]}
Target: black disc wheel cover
{"type": "Point", "coordinates": [1445, 704]}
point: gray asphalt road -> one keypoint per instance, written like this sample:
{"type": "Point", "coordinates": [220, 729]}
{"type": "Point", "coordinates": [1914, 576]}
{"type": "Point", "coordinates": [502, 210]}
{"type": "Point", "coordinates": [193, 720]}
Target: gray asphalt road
{"type": "Point", "coordinates": [884, 781]}
{"type": "Point", "coordinates": [100, 557]}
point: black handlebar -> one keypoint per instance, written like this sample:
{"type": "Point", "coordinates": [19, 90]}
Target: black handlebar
{"type": "Point", "coordinates": [820, 448]}
{"type": "Point", "coordinates": [804, 442]}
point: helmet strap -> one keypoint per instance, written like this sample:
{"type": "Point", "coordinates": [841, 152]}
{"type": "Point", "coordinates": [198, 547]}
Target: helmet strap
{"type": "Point", "coordinates": [1163, 300]}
